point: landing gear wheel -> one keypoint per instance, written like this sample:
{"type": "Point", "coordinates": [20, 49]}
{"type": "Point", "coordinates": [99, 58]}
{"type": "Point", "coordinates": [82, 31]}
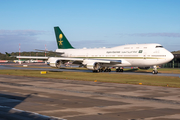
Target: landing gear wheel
{"type": "Point", "coordinates": [95, 71]}
{"type": "Point", "coordinates": [119, 70]}
{"type": "Point", "coordinates": [107, 70]}
{"type": "Point", "coordinates": [154, 72]}
{"type": "Point", "coordinates": [99, 70]}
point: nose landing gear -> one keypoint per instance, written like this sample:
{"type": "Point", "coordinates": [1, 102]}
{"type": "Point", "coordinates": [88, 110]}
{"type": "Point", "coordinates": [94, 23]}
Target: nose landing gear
{"type": "Point", "coordinates": [155, 71]}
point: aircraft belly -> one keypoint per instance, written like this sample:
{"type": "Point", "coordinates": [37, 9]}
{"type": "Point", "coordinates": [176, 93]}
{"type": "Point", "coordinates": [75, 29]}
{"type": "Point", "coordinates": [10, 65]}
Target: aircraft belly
{"type": "Point", "coordinates": [147, 62]}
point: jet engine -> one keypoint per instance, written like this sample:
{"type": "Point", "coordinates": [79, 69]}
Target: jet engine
{"type": "Point", "coordinates": [53, 62]}
{"type": "Point", "coordinates": [58, 63]}
{"type": "Point", "coordinates": [93, 66]}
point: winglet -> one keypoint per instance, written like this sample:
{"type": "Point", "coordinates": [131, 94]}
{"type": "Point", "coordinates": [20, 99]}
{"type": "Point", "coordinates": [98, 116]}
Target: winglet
{"type": "Point", "coordinates": [7, 54]}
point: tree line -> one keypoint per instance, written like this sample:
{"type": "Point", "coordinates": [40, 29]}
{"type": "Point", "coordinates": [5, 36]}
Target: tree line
{"type": "Point", "coordinates": [176, 52]}
{"type": "Point", "coordinates": [11, 56]}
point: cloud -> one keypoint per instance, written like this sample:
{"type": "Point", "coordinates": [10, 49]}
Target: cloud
{"type": "Point", "coordinates": [155, 34]}
{"type": "Point", "coordinates": [14, 36]}
{"type": "Point", "coordinates": [20, 32]}
{"type": "Point", "coordinates": [10, 39]}
{"type": "Point", "coordinates": [34, 39]}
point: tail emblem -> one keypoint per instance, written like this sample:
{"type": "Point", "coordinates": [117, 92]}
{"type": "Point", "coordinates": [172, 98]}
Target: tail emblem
{"type": "Point", "coordinates": [60, 37]}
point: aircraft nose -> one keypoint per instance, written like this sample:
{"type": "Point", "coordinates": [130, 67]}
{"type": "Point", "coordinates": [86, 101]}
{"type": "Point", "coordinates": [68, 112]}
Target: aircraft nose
{"type": "Point", "coordinates": [170, 56]}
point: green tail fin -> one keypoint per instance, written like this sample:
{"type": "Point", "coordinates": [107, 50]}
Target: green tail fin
{"type": "Point", "coordinates": [61, 39]}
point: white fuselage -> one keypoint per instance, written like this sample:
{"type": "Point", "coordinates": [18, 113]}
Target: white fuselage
{"type": "Point", "coordinates": [134, 55]}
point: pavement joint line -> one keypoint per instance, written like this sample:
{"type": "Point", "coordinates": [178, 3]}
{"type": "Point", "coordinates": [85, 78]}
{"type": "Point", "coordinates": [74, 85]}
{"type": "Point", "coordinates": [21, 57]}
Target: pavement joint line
{"type": "Point", "coordinates": [99, 93]}
{"type": "Point", "coordinates": [37, 114]}
{"type": "Point", "coordinates": [174, 116]}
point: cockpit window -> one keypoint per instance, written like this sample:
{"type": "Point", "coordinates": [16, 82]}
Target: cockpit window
{"type": "Point", "coordinates": [159, 46]}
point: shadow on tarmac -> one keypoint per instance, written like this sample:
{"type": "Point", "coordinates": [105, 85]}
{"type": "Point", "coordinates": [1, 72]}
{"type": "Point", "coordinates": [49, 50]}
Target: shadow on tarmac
{"type": "Point", "coordinates": [8, 112]}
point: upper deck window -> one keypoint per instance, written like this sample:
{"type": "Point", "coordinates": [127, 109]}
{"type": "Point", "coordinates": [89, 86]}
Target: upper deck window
{"type": "Point", "coordinates": [159, 46]}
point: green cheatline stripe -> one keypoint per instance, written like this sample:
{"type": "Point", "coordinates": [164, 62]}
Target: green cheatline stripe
{"type": "Point", "coordinates": [90, 65]}
{"type": "Point", "coordinates": [120, 57]}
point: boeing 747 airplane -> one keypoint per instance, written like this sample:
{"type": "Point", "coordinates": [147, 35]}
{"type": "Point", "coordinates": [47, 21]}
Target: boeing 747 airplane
{"type": "Point", "coordinates": [102, 59]}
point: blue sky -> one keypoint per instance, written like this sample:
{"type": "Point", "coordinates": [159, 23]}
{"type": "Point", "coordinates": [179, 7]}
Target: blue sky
{"type": "Point", "coordinates": [88, 23]}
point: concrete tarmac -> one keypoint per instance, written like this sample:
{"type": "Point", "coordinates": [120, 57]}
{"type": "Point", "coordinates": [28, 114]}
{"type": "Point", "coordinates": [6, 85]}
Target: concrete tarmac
{"type": "Point", "coordinates": [30, 98]}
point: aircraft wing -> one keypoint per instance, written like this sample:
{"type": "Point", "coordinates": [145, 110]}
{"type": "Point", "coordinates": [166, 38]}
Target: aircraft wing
{"type": "Point", "coordinates": [49, 51]}
{"type": "Point", "coordinates": [57, 61]}
{"type": "Point", "coordinates": [84, 60]}
{"type": "Point", "coordinates": [32, 57]}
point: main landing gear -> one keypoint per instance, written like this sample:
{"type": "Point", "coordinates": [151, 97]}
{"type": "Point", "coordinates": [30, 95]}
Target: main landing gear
{"type": "Point", "coordinates": [119, 69]}
{"type": "Point", "coordinates": [155, 71]}
{"type": "Point", "coordinates": [107, 70]}
{"type": "Point", "coordinates": [103, 70]}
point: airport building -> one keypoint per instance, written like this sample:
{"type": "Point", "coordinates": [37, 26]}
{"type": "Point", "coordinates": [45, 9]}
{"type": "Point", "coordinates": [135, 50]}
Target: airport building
{"type": "Point", "coordinates": [175, 63]}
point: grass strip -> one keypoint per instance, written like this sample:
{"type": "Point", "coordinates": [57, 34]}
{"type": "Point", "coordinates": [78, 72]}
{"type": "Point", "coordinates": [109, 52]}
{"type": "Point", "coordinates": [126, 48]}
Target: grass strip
{"type": "Point", "coordinates": [161, 70]}
{"type": "Point", "coordinates": [151, 80]}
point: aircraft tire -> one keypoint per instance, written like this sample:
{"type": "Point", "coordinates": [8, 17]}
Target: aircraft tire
{"type": "Point", "coordinates": [95, 71]}
{"type": "Point", "coordinates": [154, 72]}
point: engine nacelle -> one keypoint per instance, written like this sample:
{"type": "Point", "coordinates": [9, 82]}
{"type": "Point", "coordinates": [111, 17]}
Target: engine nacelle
{"type": "Point", "coordinates": [93, 66]}
{"type": "Point", "coordinates": [54, 62]}
{"type": "Point", "coordinates": [58, 63]}
{"type": "Point", "coordinates": [144, 68]}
